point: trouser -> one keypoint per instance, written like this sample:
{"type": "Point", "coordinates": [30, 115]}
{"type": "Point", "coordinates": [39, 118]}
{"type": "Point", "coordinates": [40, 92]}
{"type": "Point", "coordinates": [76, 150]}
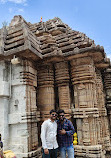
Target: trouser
{"type": "Point", "coordinates": [69, 150]}
{"type": "Point", "coordinates": [52, 153]}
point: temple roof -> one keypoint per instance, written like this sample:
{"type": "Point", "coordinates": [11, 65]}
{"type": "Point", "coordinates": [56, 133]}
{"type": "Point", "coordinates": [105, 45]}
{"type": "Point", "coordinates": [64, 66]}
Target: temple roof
{"type": "Point", "coordinates": [44, 39]}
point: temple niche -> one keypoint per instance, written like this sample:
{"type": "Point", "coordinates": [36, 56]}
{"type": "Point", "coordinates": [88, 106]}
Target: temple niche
{"type": "Point", "coordinates": [48, 65]}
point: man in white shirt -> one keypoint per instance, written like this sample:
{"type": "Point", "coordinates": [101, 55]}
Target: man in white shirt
{"type": "Point", "coordinates": [48, 136]}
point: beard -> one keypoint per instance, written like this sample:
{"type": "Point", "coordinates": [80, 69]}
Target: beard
{"type": "Point", "coordinates": [62, 119]}
{"type": "Point", "coordinates": [53, 118]}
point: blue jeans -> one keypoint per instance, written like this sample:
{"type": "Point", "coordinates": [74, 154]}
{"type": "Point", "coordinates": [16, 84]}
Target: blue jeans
{"type": "Point", "coordinates": [69, 150]}
{"type": "Point", "coordinates": [52, 153]}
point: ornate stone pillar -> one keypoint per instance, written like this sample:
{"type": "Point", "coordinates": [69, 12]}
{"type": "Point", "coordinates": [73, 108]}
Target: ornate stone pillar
{"type": "Point", "coordinates": [104, 132]}
{"type": "Point", "coordinates": [29, 76]}
{"type": "Point", "coordinates": [107, 87]}
{"type": "Point", "coordinates": [45, 92]}
{"type": "Point", "coordinates": [4, 103]}
{"type": "Point", "coordinates": [62, 82]}
{"type": "Point", "coordinates": [23, 113]}
{"type": "Point", "coordinates": [86, 111]}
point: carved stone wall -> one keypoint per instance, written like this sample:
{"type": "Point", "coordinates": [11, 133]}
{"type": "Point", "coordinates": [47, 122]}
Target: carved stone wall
{"type": "Point", "coordinates": [107, 88]}
{"type": "Point", "coordinates": [4, 102]}
{"type": "Point", "coordinates": [19, 108]}
{"type": "Point", "coordinates": [57, 68]}
{"type": "Point", "coordinates": [89, 109]}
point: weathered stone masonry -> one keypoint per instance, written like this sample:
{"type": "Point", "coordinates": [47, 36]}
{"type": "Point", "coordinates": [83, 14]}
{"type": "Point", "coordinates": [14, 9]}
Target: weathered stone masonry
{"type": "Point", "coordinates": [57, 68]}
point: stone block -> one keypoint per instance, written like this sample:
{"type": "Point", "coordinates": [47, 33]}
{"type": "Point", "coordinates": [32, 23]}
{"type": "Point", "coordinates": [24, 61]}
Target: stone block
{"type": "Point", "coordinates": [4, 89]}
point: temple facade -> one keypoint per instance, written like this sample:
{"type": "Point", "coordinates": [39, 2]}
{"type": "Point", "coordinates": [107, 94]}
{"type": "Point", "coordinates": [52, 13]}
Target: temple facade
{"type": "Point", "coordinates": [45, 66]}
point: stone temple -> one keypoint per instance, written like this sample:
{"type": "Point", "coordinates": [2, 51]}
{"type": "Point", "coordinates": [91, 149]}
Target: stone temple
{"type": "Point", "coordinates": [48, 65]}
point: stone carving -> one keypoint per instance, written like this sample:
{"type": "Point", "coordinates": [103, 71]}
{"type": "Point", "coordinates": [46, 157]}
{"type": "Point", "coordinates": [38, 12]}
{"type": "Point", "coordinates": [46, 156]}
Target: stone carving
{"type": "Point", "coordinates": [16, 20]}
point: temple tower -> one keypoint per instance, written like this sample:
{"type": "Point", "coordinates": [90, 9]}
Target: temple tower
{"type": "Point", "coordinates": [45, 66]}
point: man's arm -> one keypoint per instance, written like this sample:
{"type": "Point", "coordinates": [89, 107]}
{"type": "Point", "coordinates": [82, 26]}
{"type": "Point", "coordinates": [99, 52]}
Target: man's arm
{"type": "Point", "coordinates": [43, 135]}
{"type": "Point", "coordinates": [71, 130]}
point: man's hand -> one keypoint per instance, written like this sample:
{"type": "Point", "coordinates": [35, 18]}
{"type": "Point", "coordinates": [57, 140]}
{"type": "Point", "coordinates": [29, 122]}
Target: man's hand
{"type": "Point", "coordinates": [62, 132]}
{"type": "Point", "coordinates": [46, 151]}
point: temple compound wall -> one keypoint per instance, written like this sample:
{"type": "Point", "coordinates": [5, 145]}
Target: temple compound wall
{"type": "Point", "coordinates": [48, 65]}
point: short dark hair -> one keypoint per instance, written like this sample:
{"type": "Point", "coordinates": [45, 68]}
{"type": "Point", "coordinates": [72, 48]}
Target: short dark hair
{"type": "Point", "coordinates": [60, 111]}
{"type": "Point", "coordinates": [52, 111]}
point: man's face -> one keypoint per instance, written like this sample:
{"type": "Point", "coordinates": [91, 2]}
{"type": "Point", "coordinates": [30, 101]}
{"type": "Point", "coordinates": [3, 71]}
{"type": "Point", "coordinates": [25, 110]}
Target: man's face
{"type": "Point", "coordinates": [53, 115]}
{"type": "Point", "coordinates": [61, 116]}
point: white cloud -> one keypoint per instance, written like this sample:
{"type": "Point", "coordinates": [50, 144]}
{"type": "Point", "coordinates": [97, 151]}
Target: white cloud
{"type": "Point", "coordinates": [16, 10]}
{"type": "Point", "coordinates": [14, 1]}
{"type": "Point", "coordinates": [20, 10]}
{"type": "Point", "coordinates": [18, 1]}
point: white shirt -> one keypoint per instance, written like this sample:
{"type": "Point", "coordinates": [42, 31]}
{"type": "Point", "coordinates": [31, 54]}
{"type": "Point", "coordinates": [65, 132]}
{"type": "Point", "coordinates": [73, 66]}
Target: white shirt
{"type": "Point", "coordinates": [48, 134]}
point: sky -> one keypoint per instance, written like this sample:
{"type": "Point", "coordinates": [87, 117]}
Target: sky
{"type": "Point", "coordinates": [92, 17]}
